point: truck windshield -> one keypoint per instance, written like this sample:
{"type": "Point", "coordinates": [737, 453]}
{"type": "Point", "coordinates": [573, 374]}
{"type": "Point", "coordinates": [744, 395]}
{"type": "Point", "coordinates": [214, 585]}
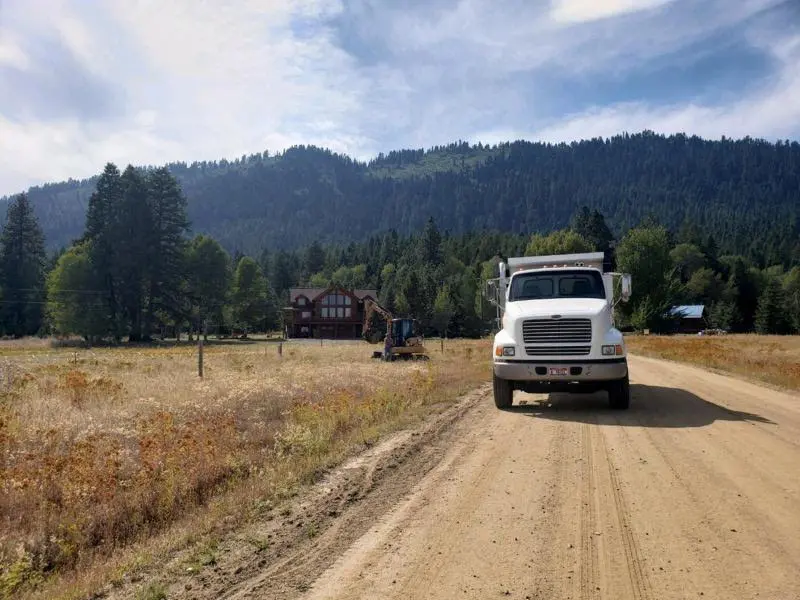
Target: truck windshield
{"type": "Point", "coordinates": [561, 284]}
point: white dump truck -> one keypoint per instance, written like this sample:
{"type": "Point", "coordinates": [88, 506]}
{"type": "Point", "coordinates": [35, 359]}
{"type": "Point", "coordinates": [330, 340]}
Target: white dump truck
{"type": "Point", "coordinates": [557, 328]}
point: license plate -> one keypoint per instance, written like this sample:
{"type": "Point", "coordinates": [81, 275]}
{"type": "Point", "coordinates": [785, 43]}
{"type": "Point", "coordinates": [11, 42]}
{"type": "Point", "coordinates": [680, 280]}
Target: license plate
{"type": "Point", "coordinates": [559, 370]}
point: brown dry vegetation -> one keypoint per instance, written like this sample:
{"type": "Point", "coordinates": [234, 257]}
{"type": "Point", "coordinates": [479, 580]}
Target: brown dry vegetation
{"type": "Point", "coordinates": [769, 359]}
{"type": "Point", "coordinates": [104, 449]}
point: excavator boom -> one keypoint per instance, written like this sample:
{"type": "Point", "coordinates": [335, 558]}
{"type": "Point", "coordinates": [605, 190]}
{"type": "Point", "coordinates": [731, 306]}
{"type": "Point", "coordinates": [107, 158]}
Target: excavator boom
{"type": "Point", "coordinates": [371, 306]}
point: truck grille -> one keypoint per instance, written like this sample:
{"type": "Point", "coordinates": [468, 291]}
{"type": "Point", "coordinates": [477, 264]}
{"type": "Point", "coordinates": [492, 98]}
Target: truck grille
{"type": "Point", "coordinates": [558, 350]}
{"type": "Point", "coordinates": [557, 331]}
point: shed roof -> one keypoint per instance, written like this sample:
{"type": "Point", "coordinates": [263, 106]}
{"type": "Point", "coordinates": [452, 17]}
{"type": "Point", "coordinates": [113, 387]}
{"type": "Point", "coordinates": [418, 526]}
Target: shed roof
{"type": "Point", "coordinates": [688, 311]}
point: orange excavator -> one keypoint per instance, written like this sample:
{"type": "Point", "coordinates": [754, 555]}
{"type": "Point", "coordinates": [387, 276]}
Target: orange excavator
{"type": "Point", "coordinates": [406, 333]}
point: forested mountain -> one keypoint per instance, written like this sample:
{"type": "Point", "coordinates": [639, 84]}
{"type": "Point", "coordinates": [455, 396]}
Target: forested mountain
{"type": "Point", "coordinates": [746, 193]}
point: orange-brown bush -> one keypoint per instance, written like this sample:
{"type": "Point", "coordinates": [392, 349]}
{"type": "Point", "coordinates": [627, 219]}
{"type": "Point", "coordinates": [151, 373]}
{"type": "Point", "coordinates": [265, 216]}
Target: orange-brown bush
{"type": "Point", "coordinates": [771, 359]}
{"type": "Point", "coordinates": [95, 455]}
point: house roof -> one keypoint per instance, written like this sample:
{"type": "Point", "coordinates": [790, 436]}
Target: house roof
{"type": "Point", "coordinates": [312, 293]}
{"type": "Point", "coordinates": [689, 311]}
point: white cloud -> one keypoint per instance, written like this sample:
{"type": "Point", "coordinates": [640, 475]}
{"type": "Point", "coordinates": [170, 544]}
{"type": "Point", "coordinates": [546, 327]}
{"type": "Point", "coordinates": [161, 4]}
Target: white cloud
{"type": "Point", "coordinates": [188, 80]}
{"type": "Point", "coordinates": [578, 11]}
{"type": "Point", "coordinates": [198, 81]}
{"type": "Point", "coordinates": [772, 112]}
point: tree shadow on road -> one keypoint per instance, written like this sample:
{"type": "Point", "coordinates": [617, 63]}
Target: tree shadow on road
{"type": "Point", "coordinates": [651, 406]}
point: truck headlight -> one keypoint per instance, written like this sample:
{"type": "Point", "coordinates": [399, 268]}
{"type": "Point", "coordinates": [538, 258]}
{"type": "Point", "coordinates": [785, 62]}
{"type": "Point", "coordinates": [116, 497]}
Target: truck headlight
{"type": "Point", "coordinates": [612, 350]}
{"type": "Point", "coordinates": [505, 351]}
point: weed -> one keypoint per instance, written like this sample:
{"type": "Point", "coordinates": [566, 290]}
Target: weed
{"type": "Point", "coordinates": [128, 442]}
{"type": "Point", "coordinates": [260, 544]}
{"type": "Point", "coordinates": [16, 573]}
{"type": "Point", "coordinates": [76, 384]}
{"type": "Point", "coordinates": [205, 556]}
{"type": "Point", "coordinates": [154, 591]}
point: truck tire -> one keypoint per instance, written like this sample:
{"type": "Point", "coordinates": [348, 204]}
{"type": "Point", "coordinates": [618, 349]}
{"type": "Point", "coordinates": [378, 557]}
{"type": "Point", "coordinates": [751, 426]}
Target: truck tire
{"type": "Point", "coordinates": [619, 394]}
{"type": "Point", "coordinates": [503, 393]}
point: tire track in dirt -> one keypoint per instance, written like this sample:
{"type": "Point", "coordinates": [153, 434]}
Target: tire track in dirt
{"type": "Point", "coordinates": [640, 585]}
{"type": "Point", "coordinates": [590, 579]}
{"type": "Point", "coordinates": [549, 582]}
{"type": "Point", "coordinates": [398, 465]}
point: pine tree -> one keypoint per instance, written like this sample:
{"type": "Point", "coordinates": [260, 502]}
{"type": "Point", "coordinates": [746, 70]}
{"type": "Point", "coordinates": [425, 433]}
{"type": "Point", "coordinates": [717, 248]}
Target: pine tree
{"type": "Point", "coordinates": [314, 260]}
{"type": "Point", "coordinates": [167, 247]}
{"type": "Point", "coordinates": [592, 227]}
{"type": "Point", "coordinates": [135, 240]}
{"type": "Point", "coordinates": [791, 286]}
{"type": "Point", "coordinates": [22, 270]}
{"type": "Point", "coordinates": [723, 315]}
{"type": "Point", "coordinates": [771, 315]}
{"type": "Point", "coordinates": [102, 230]}
{"type": "Point", "coordinates": [282, 276]}
{"type": "Point", "coordinates": [430, 243]}
{"type": "Point", "coordinates": [743, 292]}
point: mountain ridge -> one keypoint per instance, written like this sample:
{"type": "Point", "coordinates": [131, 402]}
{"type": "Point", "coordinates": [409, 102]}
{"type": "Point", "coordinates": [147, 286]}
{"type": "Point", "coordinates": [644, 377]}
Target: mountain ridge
{"type": "Point", "coordinates": [745, 192]}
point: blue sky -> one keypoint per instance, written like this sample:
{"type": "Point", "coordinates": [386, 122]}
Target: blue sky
{"type": "Point", "coordinates": [83, 82]}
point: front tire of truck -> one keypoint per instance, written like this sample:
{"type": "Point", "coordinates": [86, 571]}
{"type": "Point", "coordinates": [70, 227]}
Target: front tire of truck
{"type": "Point", "coordinates": [503, 393]}
{"type": "Point", "coordinates": [619, 394]}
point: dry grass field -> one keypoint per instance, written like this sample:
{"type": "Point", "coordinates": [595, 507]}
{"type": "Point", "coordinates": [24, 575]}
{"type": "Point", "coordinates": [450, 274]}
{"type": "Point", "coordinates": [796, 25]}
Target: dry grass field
{"type": "Point", "coordinates": [769, 359]}
{"type": "Point", "coordinates": [105, 450]}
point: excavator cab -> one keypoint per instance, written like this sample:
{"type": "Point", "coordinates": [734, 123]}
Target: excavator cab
{"type": "Point", "coordinates": [404, 329]}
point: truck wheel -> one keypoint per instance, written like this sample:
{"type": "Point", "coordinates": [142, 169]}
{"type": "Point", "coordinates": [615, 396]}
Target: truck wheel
{"type": "Point", "coordinates": [503, 393]}
{"type": "Point", "coordinates": [619, 394]}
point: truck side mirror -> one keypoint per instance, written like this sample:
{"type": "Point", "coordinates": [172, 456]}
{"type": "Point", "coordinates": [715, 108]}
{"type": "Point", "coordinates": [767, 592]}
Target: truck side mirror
{"type": "Point", "coordinates": [626, 288]}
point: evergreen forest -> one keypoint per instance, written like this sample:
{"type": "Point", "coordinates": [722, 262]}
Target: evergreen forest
{"type": "Point", "coordinates": [745, 193]}
{"type": "Point", "coordinates": [147, 252]}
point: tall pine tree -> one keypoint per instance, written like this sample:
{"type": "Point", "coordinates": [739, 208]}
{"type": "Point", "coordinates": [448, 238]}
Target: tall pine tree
{"type": "Point", "coordinates": [771, 312]}
{"type": "Point", "coordinates": [22, 270]}
{"type": "Point", "coordinates": [102, 225]}
{"type": "Point", "coordinates": [134, 243]}
{"type": "Point", "coordinates": [167, 247]}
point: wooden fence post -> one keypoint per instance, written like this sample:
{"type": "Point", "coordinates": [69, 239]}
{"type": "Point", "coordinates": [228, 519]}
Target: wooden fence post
{"type": "Point", "coordinates": [200, 351]}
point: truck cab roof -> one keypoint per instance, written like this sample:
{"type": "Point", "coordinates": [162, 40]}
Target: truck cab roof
{"type": "Point", "coordinates": [556, 269]}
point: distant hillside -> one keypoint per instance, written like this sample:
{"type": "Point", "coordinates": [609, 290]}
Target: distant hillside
{"type": "Point", "coordinates": [746, 193]}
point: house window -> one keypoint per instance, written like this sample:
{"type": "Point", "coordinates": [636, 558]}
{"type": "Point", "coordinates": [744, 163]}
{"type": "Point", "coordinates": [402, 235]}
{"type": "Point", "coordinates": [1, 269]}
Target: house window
{"type": "Point", "coordinates": [306, 314]}
{"type": "Point", "coordinates": [301, 301]}
{"type": "Point", "coordinates": [336, 306]}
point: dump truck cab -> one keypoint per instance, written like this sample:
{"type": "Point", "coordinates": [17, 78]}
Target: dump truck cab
{"type": "Point", "coordinates": [557, 328]}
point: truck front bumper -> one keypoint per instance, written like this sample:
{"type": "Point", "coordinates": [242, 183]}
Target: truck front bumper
{"type": "Point", "coordinates": [576, 370]}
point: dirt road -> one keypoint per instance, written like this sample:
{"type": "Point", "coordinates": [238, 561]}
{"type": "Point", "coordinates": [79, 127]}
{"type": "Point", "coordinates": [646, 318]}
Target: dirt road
{"type": "Point", "coordinates": [692, 493]}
